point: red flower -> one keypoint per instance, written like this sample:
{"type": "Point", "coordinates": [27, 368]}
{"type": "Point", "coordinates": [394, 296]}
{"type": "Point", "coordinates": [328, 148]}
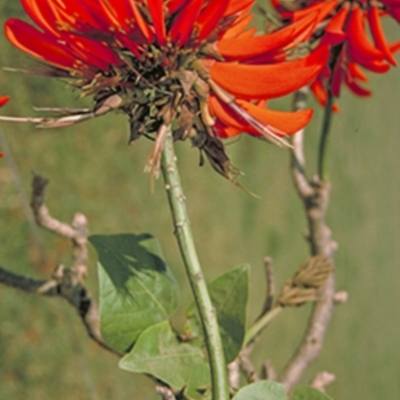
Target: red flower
{"type": "Point", "coordinates": [192, 63]}
{"type": "Point", "coordinates": [342, 24]}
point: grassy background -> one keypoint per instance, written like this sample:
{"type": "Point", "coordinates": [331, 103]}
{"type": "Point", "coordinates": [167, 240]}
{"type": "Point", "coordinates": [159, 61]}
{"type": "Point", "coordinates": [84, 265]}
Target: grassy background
{"type": "Point", "coordinates": [44, 350]}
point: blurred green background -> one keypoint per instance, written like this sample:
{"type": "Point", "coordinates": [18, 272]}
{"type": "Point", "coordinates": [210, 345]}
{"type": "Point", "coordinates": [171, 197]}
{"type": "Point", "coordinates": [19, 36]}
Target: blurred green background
{"type": "Point", "coordinates": [44, 350]}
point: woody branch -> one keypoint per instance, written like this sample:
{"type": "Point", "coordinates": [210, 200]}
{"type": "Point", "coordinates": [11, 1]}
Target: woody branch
{"type": "Point", "coordinates": [65, 282]}
{"type": "Point", "coordinates": [315, 197]}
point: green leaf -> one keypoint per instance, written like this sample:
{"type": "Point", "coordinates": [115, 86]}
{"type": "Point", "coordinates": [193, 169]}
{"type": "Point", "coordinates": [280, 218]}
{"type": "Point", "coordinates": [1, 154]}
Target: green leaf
{"type": "Point", "coordinates": [229, 294]}
{"type": "Point", "coordinates": [158, 352]}
{"type": "Point", "coordinates": [309, 393]}
{"type": "Point", "coordinates": [136, 287]}
{"type": "Point", "coordinates": [261, 390]}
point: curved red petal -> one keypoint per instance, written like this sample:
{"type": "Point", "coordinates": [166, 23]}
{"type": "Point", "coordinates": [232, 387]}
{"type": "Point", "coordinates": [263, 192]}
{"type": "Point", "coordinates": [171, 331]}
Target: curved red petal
{"type": "Point", "coordinates": [355, 70]}
{"type": "Point", "coordinates": [323, 9]}
{"type": "Point", "coordinates": [356, 88]}
{"type": "Point", "coordinates": [288, 122]}
{"type": "Point", "coordinates": [240, 49]}
{"type": "Point", "coordinates": [334, 33]}
{"type": "Point", "coordinates": [40, 13]}
{"type": "Point", "coordinates": [378, 34]}
{"type": "Point", "coordinates": [175, 5]}
{"type": "Point", "coordinates": [269, 81]}
{"type": "Point", "coordinates": [182, 26]}
{"type": "Point", "coordinates": [360, 47]}
{"type": "Point", "coordinates": [37, 44]}
{"type": "Point", "coordinates": [238, 27]}
{"type": "Point", "coordinates": [237, 6]}
{"type": "Point", "coordinates": [156, 8]}
{"type": "Point", "coordinates": [210, 16]}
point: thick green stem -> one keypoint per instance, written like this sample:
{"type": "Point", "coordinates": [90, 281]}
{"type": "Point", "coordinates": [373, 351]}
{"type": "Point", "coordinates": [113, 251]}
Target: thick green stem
{"type": "Point", "coordinates": [323, 143]}
{"type": "Point", "coordinates": [261, 324]}
{"type": "Point", "coordinates": [194, 272]}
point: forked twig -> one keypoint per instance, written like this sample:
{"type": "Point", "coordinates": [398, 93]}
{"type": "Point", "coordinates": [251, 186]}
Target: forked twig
{"type": "Point", "coordinates": [65, 282]}
{"type": "Point", "coordinates": [315, 197]}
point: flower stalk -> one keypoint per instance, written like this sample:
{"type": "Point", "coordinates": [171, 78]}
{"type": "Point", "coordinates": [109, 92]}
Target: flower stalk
{"type": "Point", "coordinates": [194, 272]}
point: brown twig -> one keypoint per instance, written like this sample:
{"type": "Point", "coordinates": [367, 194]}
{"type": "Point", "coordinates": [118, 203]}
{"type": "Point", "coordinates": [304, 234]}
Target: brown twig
{"type": "Point", "coordinates": [315, 197]}
{"type": "Point", "coordinates": [246, 365]}
{"type": "Point", "coordinates": [65, 282]}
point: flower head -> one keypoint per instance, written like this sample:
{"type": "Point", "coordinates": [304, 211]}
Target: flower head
{"type": "Point", "coordinates": [344, 25]}
{"type": "Point", "coordinates": [190, 64]}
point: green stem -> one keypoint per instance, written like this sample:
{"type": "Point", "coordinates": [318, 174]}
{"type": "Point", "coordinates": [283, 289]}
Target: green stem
{"type": "Point", "coordinates": [261, 324]}
{"type": "Point", "coordinates": [194, 272]}
{"type": "Point", "coordinates": [323, 143]}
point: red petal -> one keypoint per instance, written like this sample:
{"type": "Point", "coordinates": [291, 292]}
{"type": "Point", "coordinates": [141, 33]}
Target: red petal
{"type": "Point", "coordinates": [37, 44]}
{"type": "Point", "coordinates": [95, 50]}
{"type": "Point", "coordinates": [357, 89]}
{"type": "Point", "coordinates": [269, 81]}
{"type": "Point", "coordinates": [157, 16]}
{"type": "Point", "coordinates": [288, 122]}
{"type": "Point", "coordinates": [182, 26]}
{"type": "Point", "coordinates": [240, 49]}
{"type": "Point", "coordinates": [81, 16]}
{"type": "Point", "coordinates": [355, 70]}
{"type": "Point", "coordinates": [40, 13]}
{"type": "Point", "coordinates": [210, 16]}
{"type": "Point", "coordinates": [238, 27]}
{"type": "Point", "coordinates": [360, 48]}
{"type": "Point", "coordinates": [323, 9]}
{"type": "Point", "coordinates": [334, 33]}
{"type": "Point", "coordinates": [378, 34]}
{"type": "Point", "coordinates": [237, 6]}
{"type": "Point", "coordinates": [175, 5]}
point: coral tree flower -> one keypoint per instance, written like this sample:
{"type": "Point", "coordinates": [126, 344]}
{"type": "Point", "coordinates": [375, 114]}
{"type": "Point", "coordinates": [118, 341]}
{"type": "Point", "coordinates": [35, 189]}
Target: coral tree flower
{"type": "Point", "coordinates": [190, 64]}
{"type": "Point", "coordinates": [344, 25]}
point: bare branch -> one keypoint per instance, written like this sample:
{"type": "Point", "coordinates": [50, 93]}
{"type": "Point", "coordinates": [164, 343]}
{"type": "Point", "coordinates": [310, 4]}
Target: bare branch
{"type": "Point", "coordinates": [315, 197]}
{"type": "Point", "coordinates": [61, 285]}
{"type": "Point", "coordinates": [246, 366]}
{"type": "Point", "coordinates": [24, 283]}
{"type": "Point", "coordinates": [321, 380]}
{"type": "Point", "coordinates": [65, 282]}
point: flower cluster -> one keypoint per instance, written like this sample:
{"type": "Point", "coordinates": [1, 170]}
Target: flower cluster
{"type": "Point", "coordinates": [344, 25]}
{"type": "Point", "coordinates": [194, 65]}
